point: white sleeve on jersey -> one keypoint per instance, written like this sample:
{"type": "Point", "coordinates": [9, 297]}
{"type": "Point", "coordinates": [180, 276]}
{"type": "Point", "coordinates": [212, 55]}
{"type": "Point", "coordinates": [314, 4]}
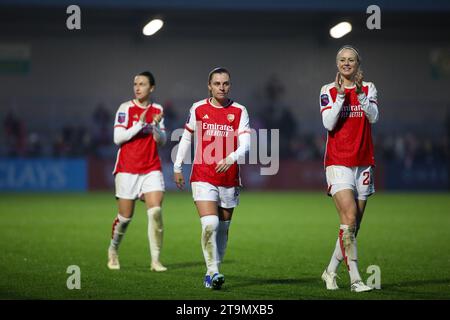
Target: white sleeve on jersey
{"type": "Point", "coordinates": [185, 142]}
{"type": "Point", "coordinates": [183, 148]}
{"type": "Point", "coordinates": [190, 124]}
{"type": "Point", "coordinates": [244, 124]}
{"type": "Point", "coordinates": [330, 116]}
{"type": "Point", "coordinates": [244, 137]}
{"type": "Point", "coordinates": [369, 103]}
{"type": "Point", "coordinates": [121, 133]}
{"type": "Point", "coordinates": [244, 147]}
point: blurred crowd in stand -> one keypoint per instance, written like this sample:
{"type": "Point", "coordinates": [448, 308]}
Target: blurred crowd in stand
{"type": "Point", "coordinates": [95, 139]}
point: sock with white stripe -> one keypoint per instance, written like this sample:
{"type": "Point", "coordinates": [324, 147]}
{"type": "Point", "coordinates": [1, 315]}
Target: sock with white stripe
{"type": "Point", "coordinates": [337, 256]}
{"type": "Point", "coordinates": [349, 250]}
{"type": "Point", "coordinates": [119, 227]}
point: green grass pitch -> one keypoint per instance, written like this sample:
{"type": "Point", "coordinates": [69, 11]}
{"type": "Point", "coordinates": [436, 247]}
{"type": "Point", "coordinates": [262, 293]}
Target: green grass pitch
{"type": "Point", "coordinates": [279, 245]}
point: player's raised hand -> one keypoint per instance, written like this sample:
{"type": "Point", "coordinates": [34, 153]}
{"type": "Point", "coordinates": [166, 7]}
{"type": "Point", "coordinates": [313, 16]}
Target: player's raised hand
{"type": "Point", "coordinates": [157, 118]}
{"type": "Point", "coordinates": [339, 83]}
{"type": "Point", "coordinates": [224, 164]}
{"type": "Point", "coordinates": [179, 180]}
{"type": "Point", "coordinates": [359, 80]}
{"type": "Point", "coordinates": [143, 114]}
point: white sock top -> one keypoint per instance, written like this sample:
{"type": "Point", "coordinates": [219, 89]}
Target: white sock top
{"type": "Point", "coordinates": [209, 219]}
{"type": "Point", "coordinates": [122, 218]}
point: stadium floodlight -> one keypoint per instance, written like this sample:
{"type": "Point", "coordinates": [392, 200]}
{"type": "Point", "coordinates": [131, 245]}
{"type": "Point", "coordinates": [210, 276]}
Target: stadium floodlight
{"type": "Point", "coordinates": [340, 30]}
{"type": "Point", "coordinates": [152, 27]}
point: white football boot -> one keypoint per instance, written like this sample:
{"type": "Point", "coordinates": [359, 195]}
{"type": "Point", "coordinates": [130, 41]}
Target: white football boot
{"type": "Point", "coordinates": [359, 286]}
{"type": "Point", "coordinates": [158, 267]}
{"type": "Point", "coordinates": [330, 280]}
{"type": "Point", "coordinates": [113, 260]}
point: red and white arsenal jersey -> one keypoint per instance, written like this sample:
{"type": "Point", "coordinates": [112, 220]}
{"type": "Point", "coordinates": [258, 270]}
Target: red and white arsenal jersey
{"type": "Point", "coordinates": [350, 142]}
{"type": "Point", "coordinates": [216, 136]}
{"type": "Point", "coordinates": [139, 155]}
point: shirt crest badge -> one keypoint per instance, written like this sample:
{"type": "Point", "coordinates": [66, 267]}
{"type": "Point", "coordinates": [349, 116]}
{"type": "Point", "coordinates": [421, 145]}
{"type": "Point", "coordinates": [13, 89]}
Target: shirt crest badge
{"type": "Point", "coordinates": [121, 117]}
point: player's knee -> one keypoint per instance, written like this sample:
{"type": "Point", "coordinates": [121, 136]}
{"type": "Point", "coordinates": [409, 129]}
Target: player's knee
{"type": "Point", "coordinates": [349, 210]}
{"type": "Point", "coordinates": [348, 216]}
{"type": "Point", "coordinates": [350, 213]}
{"type": "Point", "coordinates": [211, 227]}
{"type": "Point", "coordinates": [155, 213]}
{"type": "Point", "coordinates": [210, 223]}
{"type": "Point", "coordinates": [350, 220]}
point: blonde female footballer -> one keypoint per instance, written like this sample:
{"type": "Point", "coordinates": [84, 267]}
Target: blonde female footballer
{"type": "Point", "coordinates": [349, 108]}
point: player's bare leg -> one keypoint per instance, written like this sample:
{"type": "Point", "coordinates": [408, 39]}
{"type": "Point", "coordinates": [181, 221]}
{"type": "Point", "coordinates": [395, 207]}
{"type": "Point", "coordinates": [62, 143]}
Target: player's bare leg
{"type": "Point", "coordinates": [225, 215]}
{"type": "Point", "coordinates": [361, 206]}
{"type": "Point", "coordinates": [348, 212]}
{"type": "Point", "coordinates": [208, 212]}
{"type": "Point", "coordinates": [153, 200]}
{"type": "Point", "coordinates": [120, 225]}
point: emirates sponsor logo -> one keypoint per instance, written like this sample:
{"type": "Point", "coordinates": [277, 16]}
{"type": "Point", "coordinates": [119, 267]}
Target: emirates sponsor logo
{"type": "Point", "coordinates": [217, 130]}
{"type": "Point", "coordinates": [214, 142]}
{"type": "Point", "coordinates": [351, 111]}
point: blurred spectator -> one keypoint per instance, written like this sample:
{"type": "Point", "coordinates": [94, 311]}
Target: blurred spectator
{"type": "Point", "coordinates": [408, 148]}
{"type": "Point", "coordinates": [170, 117]}
{"type": "Point", "coordinates": [34, 145]}
{"type": "Point", "coordinates": [276, 116]}
{"type": "Point", "coordinates": [101, 132]}
{"type": "Point", "coordinates": [15, 135]}
{"type": "Point", "coordinates": [288, 130]}
{"type": "Point", "coordinates": [270, 113]}
{"type": "Point", "coordinates": [72, 142]}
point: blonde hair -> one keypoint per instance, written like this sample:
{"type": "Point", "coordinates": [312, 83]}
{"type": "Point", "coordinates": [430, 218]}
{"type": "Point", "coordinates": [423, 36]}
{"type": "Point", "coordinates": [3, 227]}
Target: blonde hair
{"type": "Point", "coordinates": [350, 47]}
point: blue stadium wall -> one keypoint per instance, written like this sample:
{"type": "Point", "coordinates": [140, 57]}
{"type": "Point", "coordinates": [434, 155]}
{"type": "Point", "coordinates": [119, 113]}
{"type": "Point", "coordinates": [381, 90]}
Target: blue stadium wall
{"type": "Point", "coordinates": [88, 174]}
{"type": "Point", "coordinates": [44, 174]}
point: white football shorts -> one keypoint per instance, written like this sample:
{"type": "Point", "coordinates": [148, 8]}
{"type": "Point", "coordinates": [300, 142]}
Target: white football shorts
{"type": "Point", "coordinates": [132, 186]}
{"type": "Point", "coordinates": [225, 197]}
{"type": "Point", "coordinates": [358, 179]}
